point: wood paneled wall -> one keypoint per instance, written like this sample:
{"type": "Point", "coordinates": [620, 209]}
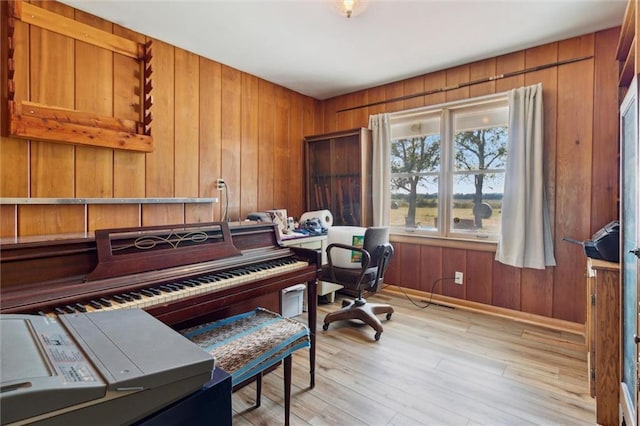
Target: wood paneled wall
{"type": "Point", "coordinates": [581, 167]}
{"type": "Point", "coordinates": [209, 121]}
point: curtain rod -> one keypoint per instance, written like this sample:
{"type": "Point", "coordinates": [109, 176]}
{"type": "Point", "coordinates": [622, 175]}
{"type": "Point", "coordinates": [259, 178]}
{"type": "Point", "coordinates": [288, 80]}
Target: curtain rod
{"type": "Point", "coordinates": [471, 83]}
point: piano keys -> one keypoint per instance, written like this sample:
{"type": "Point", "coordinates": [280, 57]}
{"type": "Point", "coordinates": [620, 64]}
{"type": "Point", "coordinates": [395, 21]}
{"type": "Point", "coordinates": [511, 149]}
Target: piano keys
{"type": "Point", "coordinates": [183, 275]}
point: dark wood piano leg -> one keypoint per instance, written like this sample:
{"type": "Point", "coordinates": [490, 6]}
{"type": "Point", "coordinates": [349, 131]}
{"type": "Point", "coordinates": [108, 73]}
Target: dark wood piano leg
{"type": "Point", "coordinates": [312, 303]}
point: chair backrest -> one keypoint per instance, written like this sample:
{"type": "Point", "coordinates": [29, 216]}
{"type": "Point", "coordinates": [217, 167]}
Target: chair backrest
{"type": "Point", "coordinates": [373, 237]}
{"type": "Point", "coordinates": [376, 242]}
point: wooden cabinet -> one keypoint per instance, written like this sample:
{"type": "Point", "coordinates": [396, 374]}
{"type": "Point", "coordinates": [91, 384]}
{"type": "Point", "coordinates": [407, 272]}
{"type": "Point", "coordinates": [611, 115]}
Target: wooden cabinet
{"type": "Point", "coordinates": [603, 329]}
{"type": "Point", "coordinates": [338, 179]}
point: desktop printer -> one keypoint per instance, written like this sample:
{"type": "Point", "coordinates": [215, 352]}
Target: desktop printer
{"type": "Point", "coordinates": [604, 244]}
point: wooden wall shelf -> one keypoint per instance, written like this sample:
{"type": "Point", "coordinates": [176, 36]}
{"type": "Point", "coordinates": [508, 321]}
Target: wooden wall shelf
{"type": "Point", "coordinates": [43, 201]}
{"type": "Point", "coordinates": [30, 120]}
{"type": "Point", "coordinates": [626, 50]}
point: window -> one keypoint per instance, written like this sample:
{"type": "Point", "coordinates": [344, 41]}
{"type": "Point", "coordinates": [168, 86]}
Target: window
{"type": "Point", "coordinates": [447, 168]}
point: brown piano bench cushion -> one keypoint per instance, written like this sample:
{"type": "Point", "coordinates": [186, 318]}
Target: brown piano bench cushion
{"type": "Point", "coordinates": [245, 345]}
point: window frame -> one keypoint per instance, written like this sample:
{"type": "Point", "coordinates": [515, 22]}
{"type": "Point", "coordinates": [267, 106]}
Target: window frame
{"type": "Point", "coordinates": [447, 112]}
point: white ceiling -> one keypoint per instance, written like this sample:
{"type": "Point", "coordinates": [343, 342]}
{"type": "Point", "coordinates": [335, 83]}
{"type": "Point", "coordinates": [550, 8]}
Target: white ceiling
{"type": "Point", "coordinates": [308, 47]}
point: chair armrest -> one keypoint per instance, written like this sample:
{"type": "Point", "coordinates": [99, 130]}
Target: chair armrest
{"type": "Point", "coordinates": [364, 263]}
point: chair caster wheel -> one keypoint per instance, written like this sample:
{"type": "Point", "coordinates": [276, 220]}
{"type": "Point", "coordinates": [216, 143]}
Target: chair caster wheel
{"type": "Point", "coordinates": [389, 316]}
{"type": "Point", "coordinates": [377, 336]}
{"type": "Point", "coordinates": [325, 326]}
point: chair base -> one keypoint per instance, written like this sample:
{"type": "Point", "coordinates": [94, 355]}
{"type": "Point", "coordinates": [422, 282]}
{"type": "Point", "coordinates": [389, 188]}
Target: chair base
{"type": "Point", "coordinates": [365, 312]}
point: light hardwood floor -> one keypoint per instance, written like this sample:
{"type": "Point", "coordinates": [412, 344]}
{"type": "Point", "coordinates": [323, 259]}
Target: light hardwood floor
{"type": "Point", "coordinates": [435, 366]}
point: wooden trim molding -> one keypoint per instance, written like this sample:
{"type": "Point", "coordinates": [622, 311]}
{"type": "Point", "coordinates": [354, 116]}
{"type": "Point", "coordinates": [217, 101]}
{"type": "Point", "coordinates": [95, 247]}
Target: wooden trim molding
{"type": "Point", "coordinates": [524, 317]}
{"type": "Point", "coordinates": [30, 120]}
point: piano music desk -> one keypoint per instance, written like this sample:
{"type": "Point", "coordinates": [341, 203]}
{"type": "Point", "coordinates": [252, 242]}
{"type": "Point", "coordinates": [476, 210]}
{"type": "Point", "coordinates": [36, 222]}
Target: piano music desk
{"type": "Point", "coordinates": [316, 242]}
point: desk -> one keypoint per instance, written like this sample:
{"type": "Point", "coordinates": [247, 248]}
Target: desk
{"type": "Point", "coordinates": [316, 242]}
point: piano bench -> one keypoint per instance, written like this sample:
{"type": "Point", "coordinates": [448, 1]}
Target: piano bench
{"type": "Point", "coordinates": [247, 344]}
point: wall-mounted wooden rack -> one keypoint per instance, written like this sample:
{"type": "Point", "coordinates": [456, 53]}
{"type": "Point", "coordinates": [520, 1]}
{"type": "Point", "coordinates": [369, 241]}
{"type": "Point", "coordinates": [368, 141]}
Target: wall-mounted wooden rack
{"type": "Point", "coordinates": [31, 120]}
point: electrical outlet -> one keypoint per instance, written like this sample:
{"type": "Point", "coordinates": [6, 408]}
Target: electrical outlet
{"type": "Point", "coordinates": [220, 184]}
{"type": "Point", "coordinates": [459, 277]}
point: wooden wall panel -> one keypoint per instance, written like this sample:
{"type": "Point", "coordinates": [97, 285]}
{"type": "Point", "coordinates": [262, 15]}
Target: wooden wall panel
{"type": "Point", "coordinates": [431, 269]}
{"type": "Point", "coordinates": [296, 181]}
{"type": "Point", "coordinates": [8, 221]}
{"type": "Point", "coordinates": [105, 216]}
{"type": "Point", "coordinates": [128, 180]}
{"type": "Point", "coordinates": [344, 119]}
{"type": "Point", "coordinates": [578, 103]}
{"type": "Point", "coordinates": [210, 132]}
{"type": "Point", "coordinates": [413, 86]}
{"type": "Point", "coordinates": [478, 276]}
{"type": "Point", "coordinates": [249, 149]}
{"type": "Point", "coordinates": [50, 219]}
{"type": "Point", "coordinates": [410, 265]}
{"type": "Point", "coordinates": [51, 82]}
{"type": "Point", "coordinates": [573, 180]}
{"type": "Point", "coordinates": [198, 213]}
{"type": "Point", "coordinates": [506, 289]}
{"type": "Point", "coordinates": [479, 71]}
{"type": "Point", "coordinates": [330, 115]}
{"type": "Point", "coordinates": [506, 64]}
{"type": "Point", "coordinates": [435, 81]}
{"type": "Point", "coordinates": [454, 76]}
{"type": "Point", "coordinates": [605, 190]}
{"type": "Point", "coordinates": [160, 177]}
{"type": "Point", "coordinates": [230, 138]}
{"type": "Point", "coordinates": [394, 270]}
{"type": "Point", "coordinates": [281, 148]}
{"type": "Point", "coordinates": [162, 214]}
{"type": "Point", "coordinates": [267, 114]}
{"type": "Point", "coordinates": [187, 118]}
{"type": "Point", "coordinates": [453, 260]}
{"type": "Point", "coordinates": [93, 93]}
{"type": "Point", "coordinates": [537, 286]}
{"type": "Point", "coordinates": [393, 91]}
{"type": "Point", "coordinates": [377, 94]}
{"type": "Point", "coordinates": [360, 115]}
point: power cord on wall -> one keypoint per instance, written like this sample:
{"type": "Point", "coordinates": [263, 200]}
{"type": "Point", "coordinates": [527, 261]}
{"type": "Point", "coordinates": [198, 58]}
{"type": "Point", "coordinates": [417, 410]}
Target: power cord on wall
{"type": "Point", "coordinates": [429, 302]}
{"type": "Point", "coordinates": [221, 184]}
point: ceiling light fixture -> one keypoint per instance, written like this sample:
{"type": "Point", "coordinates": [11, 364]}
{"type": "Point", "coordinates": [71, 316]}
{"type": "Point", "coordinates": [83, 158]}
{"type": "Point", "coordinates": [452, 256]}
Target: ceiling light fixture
{"type": "Point", "coordinates": [348, 7]}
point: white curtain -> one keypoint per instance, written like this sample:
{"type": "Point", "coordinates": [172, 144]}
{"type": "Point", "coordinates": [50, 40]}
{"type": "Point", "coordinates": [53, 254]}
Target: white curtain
{"type": "Point", "coordinates": [525, 240]}
{"type": "Point", "coordinates": [380, 132]}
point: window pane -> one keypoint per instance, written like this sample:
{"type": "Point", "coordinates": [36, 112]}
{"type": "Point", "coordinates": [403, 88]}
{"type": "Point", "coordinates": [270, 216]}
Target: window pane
{"type": "Point", "coordinates": [415, 163]}
{"type": "Point", "coordinates": [419, 211]}
{"type": "Point", "coordinates": [481, 149]}
{"type": "Point", "coordinates": [477, 203]}
{"type": "Point", "coordinates": [480, 137]}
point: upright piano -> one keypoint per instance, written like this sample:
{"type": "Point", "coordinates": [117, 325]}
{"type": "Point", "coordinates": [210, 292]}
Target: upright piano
{"type": "Point", "coordinates": [183, 275]}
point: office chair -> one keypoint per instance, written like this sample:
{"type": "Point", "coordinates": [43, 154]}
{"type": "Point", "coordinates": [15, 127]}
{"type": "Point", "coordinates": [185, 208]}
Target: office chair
{"type": "Point", "coordinates": [376, 253]}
